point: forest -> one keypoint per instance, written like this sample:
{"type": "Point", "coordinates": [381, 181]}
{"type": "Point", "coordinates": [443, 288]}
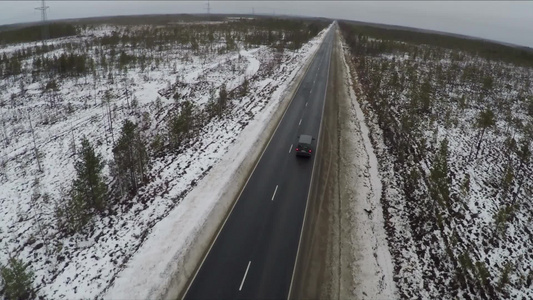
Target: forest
{"type": "Point", "coordinates": [455, 117]}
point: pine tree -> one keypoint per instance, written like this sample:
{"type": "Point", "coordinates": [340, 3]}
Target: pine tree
{"type": "Point", "coordinates": [131, 157]}
{"type": "Point", "coordinates": [74, 214]}
{"type": "Point", "coordinates": [425, 97]}
{"type": "Point", "coordinates": [88, 191]}
{"type": "Point", "coordinates": [180, 125]}
{"type": "Point", "coordinates": [244, 87]}
{"type": "Point", "coordinates": [18, 280]}
{"type": "Point", "coordinates": [485, 120]}
{"type": "Point", "coordinates": [222, 98]}
{"type": "Point", "coordinates": [89, 187]}
{"type": "Point", "coordinates": [440, 188]}
{"type": "Point", "coordinates": [107, 99]}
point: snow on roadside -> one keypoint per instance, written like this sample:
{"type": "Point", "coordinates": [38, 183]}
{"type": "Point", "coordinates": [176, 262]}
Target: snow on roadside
{"type": "Point", "coordinates": [253, 67]}
{"type": "Point", "coordinates": [478, 245]}
{"type": "Point", "coordinates": [374, 271]}
{"type": "Point", "coordinates": [84, 267]}
{"type": "Point", "coordinates": [160, 256]}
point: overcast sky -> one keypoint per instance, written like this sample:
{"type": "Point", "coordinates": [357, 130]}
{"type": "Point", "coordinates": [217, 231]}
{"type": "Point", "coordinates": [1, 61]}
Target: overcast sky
{"type": "Point", "coordinates": [507, 21]}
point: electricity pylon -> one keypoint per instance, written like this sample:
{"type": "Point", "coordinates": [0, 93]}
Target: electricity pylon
{"type": "Point", "coordinates": [44, 28]}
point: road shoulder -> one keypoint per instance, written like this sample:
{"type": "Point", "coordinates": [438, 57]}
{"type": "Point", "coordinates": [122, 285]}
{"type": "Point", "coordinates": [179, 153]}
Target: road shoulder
{"type": "Point", "coordinates": [344, 252]}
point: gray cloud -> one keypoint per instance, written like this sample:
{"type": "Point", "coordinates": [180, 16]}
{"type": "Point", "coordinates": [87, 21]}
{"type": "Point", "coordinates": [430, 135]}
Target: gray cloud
{"type": "Point", "coordinates": [507, 21]}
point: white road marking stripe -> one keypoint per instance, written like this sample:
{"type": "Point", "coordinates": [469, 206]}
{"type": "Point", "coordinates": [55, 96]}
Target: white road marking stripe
{"type": "Point", "coordinates": [245, 273]}
{"type": "Point", "coordinates": [306, 104]}
{"type": "Point", "coordinates": [274, 195]}
{"type": "Point", "coordinates": [300, 122]}
{"type": "Point", "coordinates": [290, 148]}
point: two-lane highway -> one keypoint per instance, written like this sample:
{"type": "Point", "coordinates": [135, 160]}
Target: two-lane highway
{"type": "Point", "coordinates": [253, 255]}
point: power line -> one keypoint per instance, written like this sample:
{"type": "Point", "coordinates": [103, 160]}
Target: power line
{"type": "Point", "coordinates": [44, 29]}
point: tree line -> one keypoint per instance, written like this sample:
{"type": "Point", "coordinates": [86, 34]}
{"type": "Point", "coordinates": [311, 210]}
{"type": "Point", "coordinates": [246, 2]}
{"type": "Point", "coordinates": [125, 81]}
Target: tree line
{"type": "Point", "coordinates": [140, 47]}
{"type": "Point", "coordinates": [416, 83]}
{"type": "Point", "coordinates": [34, 33]}
{"type": "Point", "coordinates": [487, 49]}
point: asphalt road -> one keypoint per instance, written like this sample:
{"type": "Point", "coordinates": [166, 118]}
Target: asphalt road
{"type": "Point", "coordinates": [254, 254]}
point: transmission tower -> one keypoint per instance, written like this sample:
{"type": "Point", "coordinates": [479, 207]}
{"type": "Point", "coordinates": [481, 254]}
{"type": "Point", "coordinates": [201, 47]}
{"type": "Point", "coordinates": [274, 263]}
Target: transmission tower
{"type": "Point", "coordinates": [208, 8]}
{"type": "Point", "coordinates": [44, 28]}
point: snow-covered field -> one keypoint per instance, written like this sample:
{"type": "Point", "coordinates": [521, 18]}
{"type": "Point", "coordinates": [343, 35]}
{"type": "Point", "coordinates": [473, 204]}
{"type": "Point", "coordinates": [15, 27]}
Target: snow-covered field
{"type": "Point", "coordinates": [134, 241]}
{"type": "Point", "coordinates": [458, 221]}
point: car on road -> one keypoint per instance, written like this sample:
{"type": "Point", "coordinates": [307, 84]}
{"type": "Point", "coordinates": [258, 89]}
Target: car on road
{"type": "Point", "coordinates": [304, 146]}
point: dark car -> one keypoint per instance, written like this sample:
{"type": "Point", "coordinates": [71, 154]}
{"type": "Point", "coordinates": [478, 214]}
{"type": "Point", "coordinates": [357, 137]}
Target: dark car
{"type": "Point", "coordinates": [304, 146]}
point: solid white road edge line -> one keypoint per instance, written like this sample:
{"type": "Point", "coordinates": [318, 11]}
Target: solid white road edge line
{"type": "Point", "coordinates": [245, 273]}
{"type": "Point", "coordinates": [274, 195]}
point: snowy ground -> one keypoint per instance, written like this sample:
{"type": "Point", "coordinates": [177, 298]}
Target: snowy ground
{"type": "Point", "coordinates": [174, 235]}
{"type": "Point", "coordinates": [83, 266]}
{"type": "Point", "coordinates": [454, 249]}
{"type": "Point", "coordinates": [373, 266]}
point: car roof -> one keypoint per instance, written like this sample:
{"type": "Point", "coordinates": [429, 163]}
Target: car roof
{"type": "Point", "coordinates": [306, 139]}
